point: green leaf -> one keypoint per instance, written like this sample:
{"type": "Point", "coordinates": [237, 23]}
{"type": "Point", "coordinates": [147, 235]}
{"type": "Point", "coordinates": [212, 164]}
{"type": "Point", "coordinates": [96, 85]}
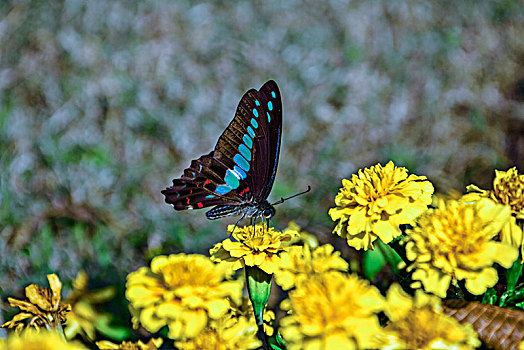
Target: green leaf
{"type": "Point", "coordinates": [276, 342]}
{"type": "Point", "coordinates": [373, 262]}
{"type": "Point", "coordinates": [390, 255]}
{"type": "Point", "coordinates": [490, 297]}
{"type": "Point", "coordinates": [513, 274]}
{"type": "Point", "coordinates": [118, 333]}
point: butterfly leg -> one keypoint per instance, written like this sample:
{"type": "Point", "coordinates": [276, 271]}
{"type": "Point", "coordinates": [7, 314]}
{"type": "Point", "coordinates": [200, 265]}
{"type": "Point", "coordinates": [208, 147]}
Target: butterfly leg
{"type": "Point", "coordinates": [253, 223]}
{"type": "Point", "coordinates": [242, 218]}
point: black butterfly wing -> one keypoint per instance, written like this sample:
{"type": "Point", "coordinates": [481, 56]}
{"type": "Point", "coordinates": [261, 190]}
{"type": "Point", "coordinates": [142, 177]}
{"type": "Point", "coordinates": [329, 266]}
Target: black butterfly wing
{"type": "Point", "coordinates": [250, 145]}
{"type": "Point", "coordinates": [243, 165]}
{"type": "Point", "coordinates": [197, 187]}
{"type": "Point", "coordinates": [270, 94]}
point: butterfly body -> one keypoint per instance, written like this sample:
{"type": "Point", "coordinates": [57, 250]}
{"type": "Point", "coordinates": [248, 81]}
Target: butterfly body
{"type": "Point", "coordinates": [246, 209]}
{"type": "Point", "coordinates": [237, 176]}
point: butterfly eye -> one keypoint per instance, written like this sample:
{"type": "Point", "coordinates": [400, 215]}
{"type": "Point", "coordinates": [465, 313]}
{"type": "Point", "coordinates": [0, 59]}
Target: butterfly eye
{"type": "Point", "coordinates": [268, 213]}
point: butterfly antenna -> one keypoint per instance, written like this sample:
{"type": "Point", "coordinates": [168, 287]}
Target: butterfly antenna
{"type": "Point", "coordinates": [282, 200]}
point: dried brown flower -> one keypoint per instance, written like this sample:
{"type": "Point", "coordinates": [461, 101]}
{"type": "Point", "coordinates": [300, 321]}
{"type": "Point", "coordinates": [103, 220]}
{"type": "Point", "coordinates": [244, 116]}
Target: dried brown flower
{"type": "Point", "coordinates": [43, 310]}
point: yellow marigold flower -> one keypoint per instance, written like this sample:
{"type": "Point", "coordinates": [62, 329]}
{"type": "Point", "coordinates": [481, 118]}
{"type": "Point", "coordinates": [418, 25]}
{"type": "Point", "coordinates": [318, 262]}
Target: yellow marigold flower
{"type": "Point", "coordinates": [300, 237]}
{"type": "Point", "coordinates": [225, 334]}
{"type": "Point", "coordinates": [508, 189]}
{"type": "Point", "coordinates": [332, 311]}
{"type": "Point", "coordinates": [376, 201]}
{"type": "Point", "coordinates": [181, 291]}
{"type": "Point", "coordinates": [152, 344]}
{"type": "Point", "coordinates": [44, 309]}
{"type": "Point", "coordinates": [84, 317]}
{"type": "Point", "coordinates": [418, 323]}
{"type": "Point", "coordinates": [454, 242]}
{"type": "Point", "coordinates": [256, 245]}
{"type": "Point", "coordinates": [302, 262]}
{"type": "Point", "coordinates": [43, 340]}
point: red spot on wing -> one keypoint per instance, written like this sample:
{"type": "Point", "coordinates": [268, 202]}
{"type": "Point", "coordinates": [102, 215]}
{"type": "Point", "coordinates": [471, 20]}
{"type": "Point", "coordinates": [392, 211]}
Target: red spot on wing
{"type": "Point", "coordinates": [207, 182]}
{"type": "Point", "coordinates": [199, 205]}
{"type": "Point", "coordinates": [187, 200]}
{"type": "Point", "coordinates": [245, 190]}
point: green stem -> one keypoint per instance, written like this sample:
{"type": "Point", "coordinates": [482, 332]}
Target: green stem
{"type": "Point", "coordinates": [259, 288]}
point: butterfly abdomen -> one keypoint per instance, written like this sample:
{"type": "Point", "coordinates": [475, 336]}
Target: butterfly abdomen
{"type": "Point", "coordinates": [222, 211]}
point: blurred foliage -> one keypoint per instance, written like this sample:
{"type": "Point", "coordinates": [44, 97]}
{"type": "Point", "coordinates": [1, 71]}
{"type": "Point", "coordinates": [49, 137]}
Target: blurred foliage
{"type": "Point", "coordinates": [102, 103]}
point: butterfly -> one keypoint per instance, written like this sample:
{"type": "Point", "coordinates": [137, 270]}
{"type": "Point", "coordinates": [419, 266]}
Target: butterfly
{"type": "Point", "coordinates": [237, 176]}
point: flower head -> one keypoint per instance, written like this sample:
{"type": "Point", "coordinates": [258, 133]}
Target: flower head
{"type": "Point", "coordinates": [300, 237]}
{"type": "Point", "coordinates": [455, 242]}
{"type": "Point", "coordinates": [508, 189]}
{"type": "Point", "coordinates": [302, 262]}
{"type": "Point", "coordinates": [256, 245]}
{"type": "Point", "coordinates": [181, 291]}
{"type": "Point", "coordinates": [418, 323]}
{"type": "Point", "coordinates": [44, 308]}
{"type": "Point", "coordinates": [84, 317]}
{"type": "Point", "coordinates": [376, 201]}
{"type": "Point", "coordinates": [40, 340]}
{"type": "Point", "coordinates": [332, 311]}
{"type": "Point", "coordinates": [152, 344]}
{"type": "Point", "coordinates": [227, 333]}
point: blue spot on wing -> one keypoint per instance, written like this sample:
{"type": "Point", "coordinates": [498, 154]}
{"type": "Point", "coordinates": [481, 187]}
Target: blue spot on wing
{"type": "Point", "coordinates": [223, 189]}
{"type": "Point", "coordinates": [210, 196]}
{"type": "Point", "coordinates": [255, 112]}
{"type": "Point", "coordinates": [270, 105]}
{"type": "Point", "coordinates": [273, 94]}
{"type": "Point", "coordinates": [268, 117]}
{"type": "Point", "coordinates": [240, 172]}
{"type": "Point", "coordinates": [244, 151]}
{"type": "Point", "coordinates": [241, 162]}
{"type": "Point", "coordinates": [257, 103]}
{"type": "Point", "coordinates": [231, 179]}
{"type": "Point", "coordinates": [254, 123]}
{"type": "Point", "coordinates": [251, 132]}
{"type": "Point", "coordinates": [248, 141]}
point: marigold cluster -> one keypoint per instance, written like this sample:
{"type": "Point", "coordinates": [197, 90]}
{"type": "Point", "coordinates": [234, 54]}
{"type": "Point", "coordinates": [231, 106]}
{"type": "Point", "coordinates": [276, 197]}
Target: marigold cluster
{"type": "Point", "coordinates": [455, 242]}
{"type": "Point", "coordinates": [183, 292]}
{"type": "Point", "coordinates": [376, 201]}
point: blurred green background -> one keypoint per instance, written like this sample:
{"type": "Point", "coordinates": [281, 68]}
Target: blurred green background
{"type": "Point", "coordinates": [103, 103]}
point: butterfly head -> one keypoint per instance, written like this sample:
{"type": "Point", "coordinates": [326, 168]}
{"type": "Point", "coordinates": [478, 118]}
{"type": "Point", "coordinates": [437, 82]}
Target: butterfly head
{"type": "Point", "coordinates": [266, 210]}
